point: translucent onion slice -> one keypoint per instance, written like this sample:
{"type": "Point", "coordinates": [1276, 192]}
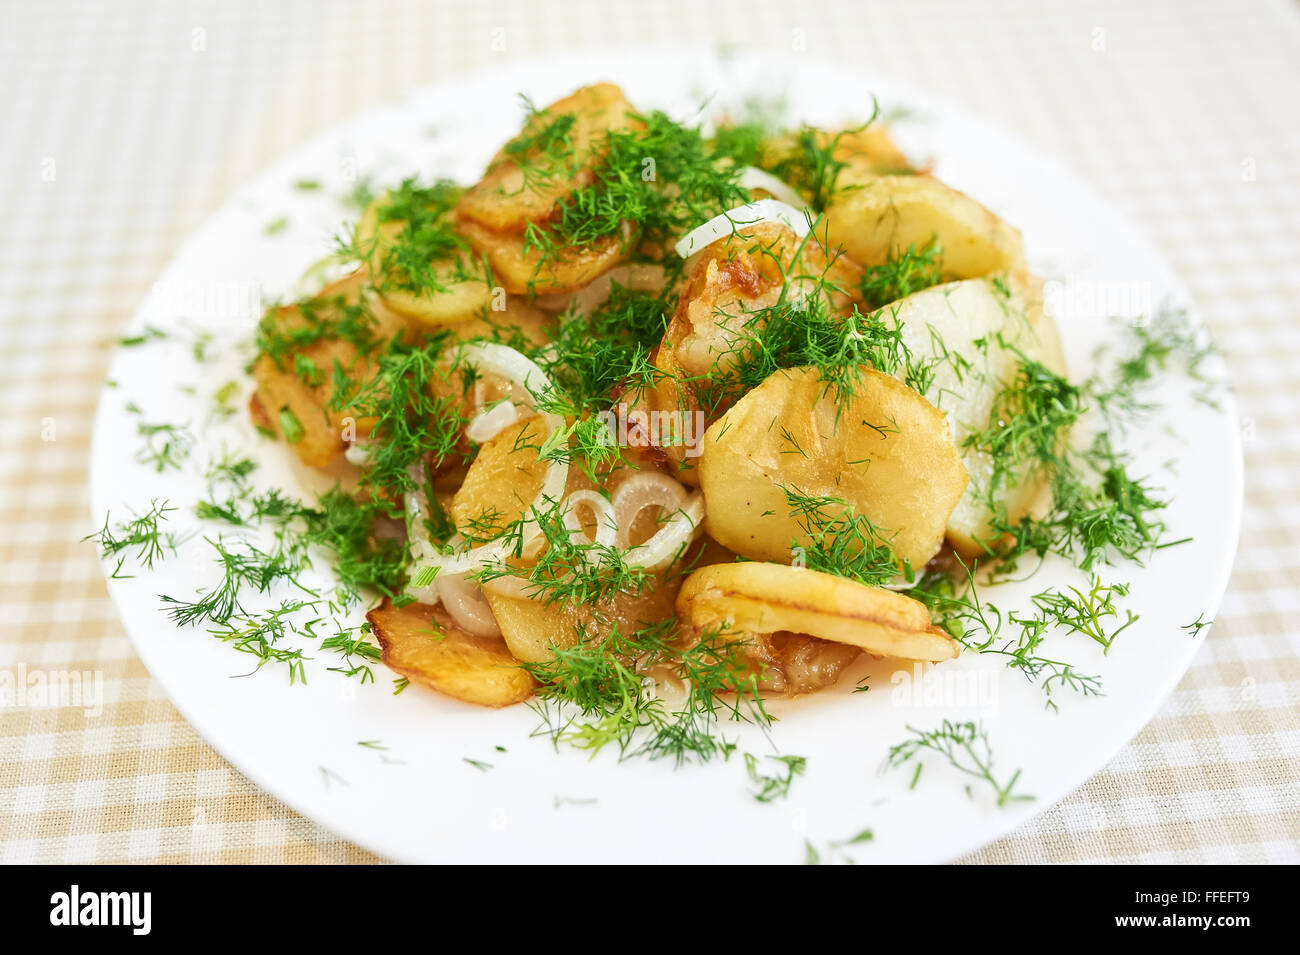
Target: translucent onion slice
{"type": "Point", "coordinates": [602, 511]}
{"type": "Point", "coordinates": [322, 272]}
{"type": "Point", "coordinates": [719, 227]}
{"type": "Point", "coordinates": [754, 178]}
{"type": "Point", "coordinates": [466, 604]}
{"type": "Point", "coordinates": [672, 538]}
{"type": "Point", "coordinates": [357, 453]}
{"type": "Point", "coordinates": [639, 491]}
{"type": "Point", "coordinates": [489, 422]}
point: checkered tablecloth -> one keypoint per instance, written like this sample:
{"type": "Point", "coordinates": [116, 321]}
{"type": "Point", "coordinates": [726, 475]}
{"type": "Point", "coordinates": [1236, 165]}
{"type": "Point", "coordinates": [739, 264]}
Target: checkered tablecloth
{"type": "Point", "coordinates": [123, 125]}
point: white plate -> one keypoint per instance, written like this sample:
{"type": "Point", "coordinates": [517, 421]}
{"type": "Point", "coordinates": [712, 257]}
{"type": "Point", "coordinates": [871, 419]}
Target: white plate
{"type": "Point", "coordinates": [419, 799]}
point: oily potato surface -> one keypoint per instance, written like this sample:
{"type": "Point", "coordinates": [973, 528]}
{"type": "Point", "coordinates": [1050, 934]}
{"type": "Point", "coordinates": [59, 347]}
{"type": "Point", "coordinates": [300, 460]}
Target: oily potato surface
{"type": "Point", "coordinates": [885, 215]}
{"type": "Point", "coordinates": [886, 452]}
{"type": "Point", "coordinates": [764, 598]}
{"type": "Point", "coordinates": [421, 643]}
{"type": "Point", "coordinates": [522, 184]}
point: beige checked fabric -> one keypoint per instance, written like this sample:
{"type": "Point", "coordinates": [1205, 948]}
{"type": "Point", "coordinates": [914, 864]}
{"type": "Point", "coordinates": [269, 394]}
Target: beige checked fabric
{"type": "Point", "coordinates": [123, 125]}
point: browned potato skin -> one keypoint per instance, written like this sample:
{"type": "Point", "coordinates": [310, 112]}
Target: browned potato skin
{"type": "Point", "coordinates": [529, 272]}
{"type": "Point", "coordinates": [466, 667]}
{"type": "Point", "coordinates": [749, 598]}
{"type": "Point", "coordinates": [503, 202]}
{"type": "Point", "coordinates": [906, 480]}
{"type": "Point", "coordinates": [729, 279]}
{"type": "Point", "coordinates": [280, 387]}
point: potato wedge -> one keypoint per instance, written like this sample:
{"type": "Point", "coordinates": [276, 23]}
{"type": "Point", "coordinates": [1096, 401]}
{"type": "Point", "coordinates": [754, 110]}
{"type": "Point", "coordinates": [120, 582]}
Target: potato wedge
{"type": "Point", "coordinates": [294, 384]}
{"type": "Point", "coordinates": [422, 644]}
{"type": "Point", "coordinates": [887, 452]}
{"type": "Point", "coordinates": [885, 215]}
{"type": "Point", "coordinates": [526, 179]}
{"type": "Point", "coordinates": [532, 628]}
{"type": "Point", "coordinates": [1006, 314]}
{"type": "Point", "coordinates": [762, 598]}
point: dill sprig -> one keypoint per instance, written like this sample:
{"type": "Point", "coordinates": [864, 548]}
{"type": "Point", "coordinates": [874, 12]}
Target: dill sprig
{"type": "Point", "coordinates": [597, 694]}
{"type": "Point", "coordinates": [905, 271]}
{"type": "Point", "coordinates": [966, 747]}
{"type": "Point", "coordinates": [838, 540]}
{"type": "Point", "coordinates": [770, 787]}
{"type": "Point", "coordinates": [142, 531]}
{"type": "Point", "coordinates": [413, 422]}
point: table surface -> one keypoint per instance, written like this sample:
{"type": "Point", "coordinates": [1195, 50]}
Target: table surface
{"type": "Point", "coordinates": [124, 125]}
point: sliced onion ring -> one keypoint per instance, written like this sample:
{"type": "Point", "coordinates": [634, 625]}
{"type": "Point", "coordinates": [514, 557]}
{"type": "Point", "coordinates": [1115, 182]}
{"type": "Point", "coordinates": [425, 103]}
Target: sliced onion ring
{"type": "Point", "coordinates": [752, 178]}
{"type": "Point", "coordinates": [489, 422]}
{"type": "Point", "coordinates": [466, 605]}
{"type": "Point", "coordinates": [639, 491]}
{"type": "Point", "coordinates": [672, 538]}
{"type": "Point", "coordinates": [751, 213]}
{"type": "Point", "coordinates": [606, 529]}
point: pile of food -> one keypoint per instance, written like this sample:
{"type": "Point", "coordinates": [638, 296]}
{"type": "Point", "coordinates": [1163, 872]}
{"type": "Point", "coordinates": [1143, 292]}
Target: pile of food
{"type": "Point", "coordinates": [653, 421]}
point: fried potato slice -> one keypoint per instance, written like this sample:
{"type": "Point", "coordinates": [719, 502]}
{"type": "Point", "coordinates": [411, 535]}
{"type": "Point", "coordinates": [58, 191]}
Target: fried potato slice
{"type": "Point", "coordinates": [550, 158]}
{"type": "Point", "coordinates": [885, 215]}
{"type": "Point", "coordinates": [461, 291]}
{"type": "Point", "coordinates": [886, 452]}
{"type": "Point", "coordinates": [1005, 314]}
{"type": "Point", "coordinates": [534, 271]}
{"type": "Point", "coordinates": [518, 319]}
{"type": "Point", "coordinates": [720, 309]}
{"type": "Point", "coordinates": [300, 344]}
{"type": "Point", "coordinates": [532, 628]}
{"type": "Point", "coordinates": [503, 481]}
{"type": "Point", "coordinates": [866, 153]}
{"type": "Point", "coordinates": [760, 598]}
{"type": "Point", "coordinates": [422, 644]}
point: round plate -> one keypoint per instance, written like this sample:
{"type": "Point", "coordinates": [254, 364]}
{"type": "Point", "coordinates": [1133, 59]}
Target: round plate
{"type": "Point", "coordinates": [414, 794]}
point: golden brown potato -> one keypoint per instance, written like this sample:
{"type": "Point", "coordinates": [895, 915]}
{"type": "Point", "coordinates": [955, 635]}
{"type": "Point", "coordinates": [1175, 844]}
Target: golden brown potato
{"type": "Point", "coordinates": [526, 180]}
{"type": "Point", "coordinates": [422, 644]}
{"type": "Point", "coordinates": [1005, 313]}
{"type": "Point", "coordinates": [719, 311]}
{"type": "Point", "coordinates": [502, 482]}
{"type": "Point", "coordinates": [886, 452]}
{"type": "Point", "coordinates": [887, 214]}
{"type": "Point", "coordinates": [464, 291]}
{"type": "Point", "coordinates": [867, 154]}
{"type": "Point", "coordinates": [517, 319]}
{"type": "Point", "coordinates": [532, 628]}
{"type": "Point", "coordinates": [757, 598]}
{"type": "Point", "coordinates": [565, 269]}
{"type": "Point", "coordinates": [298, 386]}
